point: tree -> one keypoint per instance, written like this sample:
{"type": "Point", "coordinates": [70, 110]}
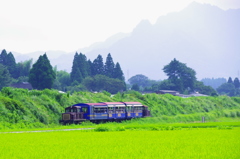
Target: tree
{"type": "Point", "coordinates": [63, 80]}
{"type": "Point", "coordinates": [230, 80]}
{"type": "Point", "coordinates": [166, 85]}
{"type": "Point", "coordinates": [180, 75]}
{"type": "Point", "coordinates": [8, 60]}
{"type": "Point", "coordinates": [139, 79]}
{"type": "Point", "coordinates": [118, 74]}
{"type": "Point", "coordinates": [97, 66]}
{"type": "Point", "coordinates": [42, 75]}
{"type": "Point", "coordinates": [5, 78]}
{"type": "Point", "coordinates": [101, 83]}
{"type": "Point", "coordinates": [207, 90]}
{"type": "Point", "coordinates": [227, 89]}
{"type": "Point", "coordinates": [109, 66]}
{"type": "Point", "coordinates": [89, 67]}
{"type": "Point", "coordinates": [23, 68]}
{"type": "Point", "coordinates": [76, 74]}
{"type": "Point", "coordinates": [11, 65]}
{"type": "Point", "coordinates": [135, 87]}
{"type": "Point", "coordinates": [82, 64]}
{"type": "Point", "coordinates": [236, 83]}
{"type": "Point", "coordinates": [3, 57]}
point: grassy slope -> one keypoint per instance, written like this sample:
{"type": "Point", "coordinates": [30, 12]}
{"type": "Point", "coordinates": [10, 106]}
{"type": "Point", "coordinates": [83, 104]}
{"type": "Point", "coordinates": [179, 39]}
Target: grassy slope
{"type": "Point", "coordinates": [22, 108]}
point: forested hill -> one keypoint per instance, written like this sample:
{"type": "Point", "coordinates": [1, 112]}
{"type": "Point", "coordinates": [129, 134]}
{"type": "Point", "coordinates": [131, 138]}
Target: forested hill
{"type": "Point", "coordinates": [23, 108]}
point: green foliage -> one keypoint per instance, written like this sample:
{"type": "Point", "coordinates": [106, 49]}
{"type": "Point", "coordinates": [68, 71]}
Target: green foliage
{"type": "Point", "coordinates": [140, 80]}
{"type": "Point", "coordinates": [109, 66]}
{"type": "Point", "coordinates": [24, 108]}
{"type": "Point", "coordinates": [5, 78]}
{"type": "Point", "coordinates": [207, 90]}
{"type": "Point", "coordinates": [23, 68]}
{"type": "Point", "coordinates": [98, 66]}
{"type": "Point", "coordinates": [180, 75]}
{"type": "Point", "coordinates": [236, 83]}
{"type": "Point", "coordinates": [103, 83]}
{"type": "Point", "coordinates": [118, 74]}
{"type": "Point", "coordinates": [8, 60]}
{"type": "Point", "coordinates": [80, 68]}
{"type": "Point", "coordinates": [230, 80]}
{"type": "Point", "coordinates": [42, 75]}
{"type": "Point", "coordinates": [135, 87]}
{"type": "Point", "coordinates": [227, 89]}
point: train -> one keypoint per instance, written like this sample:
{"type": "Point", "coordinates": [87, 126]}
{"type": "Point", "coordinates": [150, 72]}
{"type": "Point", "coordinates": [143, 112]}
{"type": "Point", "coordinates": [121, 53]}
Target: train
{"type": "Point", "coordinates": [103, 111]}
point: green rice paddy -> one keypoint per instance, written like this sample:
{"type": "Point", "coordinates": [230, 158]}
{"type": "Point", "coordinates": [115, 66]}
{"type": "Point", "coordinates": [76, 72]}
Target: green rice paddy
{"type": "Point", "coordinates": [178, 143]}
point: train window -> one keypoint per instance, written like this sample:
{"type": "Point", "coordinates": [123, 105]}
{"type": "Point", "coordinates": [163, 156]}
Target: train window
{"type": "Point", "coordinates": [129, 109]}
{"type": "Point", "coordinates": [84, 110]}
{"type": "Point", "coordinates": [67, 110]}
{"type": "Point", "coordinates": [120, 109]}
{"type": "Point", "coordinates": [100, 110]}
{"type": "Point", "coordinates": [110, 110]}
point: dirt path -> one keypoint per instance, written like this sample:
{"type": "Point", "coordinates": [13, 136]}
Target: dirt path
{"type": "Point", "coordinates": [35, 131]}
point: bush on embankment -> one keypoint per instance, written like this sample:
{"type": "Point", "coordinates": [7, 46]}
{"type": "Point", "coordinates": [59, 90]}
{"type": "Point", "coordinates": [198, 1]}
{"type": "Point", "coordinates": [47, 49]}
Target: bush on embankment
{"type": "Point", "coordinates": [24, 108]}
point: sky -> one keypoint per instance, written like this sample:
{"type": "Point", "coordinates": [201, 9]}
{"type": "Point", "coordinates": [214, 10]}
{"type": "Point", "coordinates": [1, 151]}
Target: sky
{"type": "Point", "coordinates": [68, 25]}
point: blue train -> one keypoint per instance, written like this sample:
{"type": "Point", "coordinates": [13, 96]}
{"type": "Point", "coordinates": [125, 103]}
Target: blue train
{"type": "Point", "coordinates": [107, 111]}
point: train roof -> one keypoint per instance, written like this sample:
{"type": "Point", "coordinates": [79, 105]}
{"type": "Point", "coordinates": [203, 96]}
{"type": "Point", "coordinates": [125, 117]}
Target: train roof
{"type": "Point", "coordinates": [133, 103]}
{"type": "Point", "coordinates": [115, 103]}
{"type": "Point", "coordinates": [105, 104]}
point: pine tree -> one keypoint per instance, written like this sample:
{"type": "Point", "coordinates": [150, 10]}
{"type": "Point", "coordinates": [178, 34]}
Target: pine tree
{"type": "Point", "coordinates": [41, 75]}
{"type": "Point", "coordinates": [5, 78]}
{"type": "Point", "coordinates": [109, 66]}
{"type": "Point", "coordinates": [230, 80]}
{"type": "Point", "coordinates": [118, 72]}
{"type": "Point", "coordinates": [3, 57]}
{"type": "Point", "coordinates": [98, 67]}
{"type": "Point", "coordinates": [11, 65]}
{"type": "Point", "coordinates": [76, 74]}
{"type": "Point", "coordinates": [236, 83]}
{"type": "Point", "coordinates": [80, 68]}
{"type": "Point", "coordinates": [89, 67]}
{"type": "Point", "coordinates": [83, 65]}
{"type": "Point", "coordinates": [8, 60]}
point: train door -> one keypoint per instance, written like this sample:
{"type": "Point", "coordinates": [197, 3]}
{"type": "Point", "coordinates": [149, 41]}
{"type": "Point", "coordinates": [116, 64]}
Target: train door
{"type": "Point", "coordinates": [129, 111]}
{"type": "Point", "coordinates": [111, 112]}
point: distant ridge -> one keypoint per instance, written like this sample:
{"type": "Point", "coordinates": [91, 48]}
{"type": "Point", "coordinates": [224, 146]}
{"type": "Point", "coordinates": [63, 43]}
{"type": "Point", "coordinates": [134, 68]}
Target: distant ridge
{"type": "Point", "coordinates": [203, 36]}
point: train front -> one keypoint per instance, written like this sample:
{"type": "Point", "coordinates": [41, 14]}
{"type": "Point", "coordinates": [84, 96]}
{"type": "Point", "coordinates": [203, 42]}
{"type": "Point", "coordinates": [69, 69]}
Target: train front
{"type": "Point", "coordinates": [74, 114]}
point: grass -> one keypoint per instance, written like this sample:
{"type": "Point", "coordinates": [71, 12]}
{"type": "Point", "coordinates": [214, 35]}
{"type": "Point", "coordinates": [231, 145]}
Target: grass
{"type": "Point", "coordinates": [185, 143]}
{"type": "Point", "coordinates": [140, 123]}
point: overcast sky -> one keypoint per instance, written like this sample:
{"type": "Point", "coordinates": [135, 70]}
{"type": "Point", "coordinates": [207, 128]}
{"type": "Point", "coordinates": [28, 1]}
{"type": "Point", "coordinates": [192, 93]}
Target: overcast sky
{"type": "Point", "coordinates": [67, 25]}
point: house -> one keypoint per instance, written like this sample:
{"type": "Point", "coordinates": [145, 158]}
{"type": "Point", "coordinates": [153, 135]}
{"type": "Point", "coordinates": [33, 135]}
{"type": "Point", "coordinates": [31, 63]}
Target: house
{"type": "Point", "coordinates": [25, 85]}
{"type": "Point", "coordinates": [175, 93]}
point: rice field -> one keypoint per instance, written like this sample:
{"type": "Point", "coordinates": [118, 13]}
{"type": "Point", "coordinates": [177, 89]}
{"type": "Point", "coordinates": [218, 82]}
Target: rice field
{"type": "Point", "coordinates": [185, 143]}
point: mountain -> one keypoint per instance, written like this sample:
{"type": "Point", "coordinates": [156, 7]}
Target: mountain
{"type": "Point", "coordinates": [203, 36]}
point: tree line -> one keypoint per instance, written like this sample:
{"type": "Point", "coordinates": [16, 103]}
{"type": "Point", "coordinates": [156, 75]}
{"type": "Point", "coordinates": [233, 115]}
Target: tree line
{"type": "Point", "coordinates": [230, 88]}
{"type": "Point", "coordinates": [181, 78]}
{"type": "Point", "coordinates": [85, 75]}
{"type": "Point", "coordinates": [99, 76]}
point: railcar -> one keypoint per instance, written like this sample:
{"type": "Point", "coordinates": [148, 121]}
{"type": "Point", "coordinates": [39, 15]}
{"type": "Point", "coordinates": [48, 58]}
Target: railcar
{"type": "Point", "coordinates": [105, 111]}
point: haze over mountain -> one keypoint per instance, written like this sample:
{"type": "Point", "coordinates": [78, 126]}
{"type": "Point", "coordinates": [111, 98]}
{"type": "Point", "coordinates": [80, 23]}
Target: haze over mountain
{"type": "Point", "coordinates": [204, 37]}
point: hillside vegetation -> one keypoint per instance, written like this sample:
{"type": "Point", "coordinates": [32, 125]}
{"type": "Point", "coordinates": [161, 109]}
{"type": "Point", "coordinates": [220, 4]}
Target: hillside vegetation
{"type": "Point", "coordinates": [22, 108]}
